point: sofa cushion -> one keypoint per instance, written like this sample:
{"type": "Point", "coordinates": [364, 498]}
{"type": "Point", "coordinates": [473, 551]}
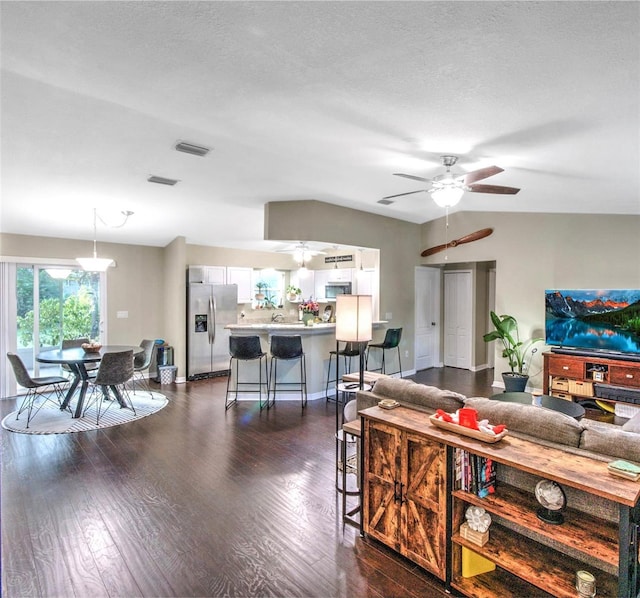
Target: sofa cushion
{"type": "Point", "coordinates": [611, 440]}
{"type": "Point", "coordinates": [419, 395]}
{"type": "Point", "coordinates": [535, 422]}
{"type": "Point", "coordinates": [633, 425]}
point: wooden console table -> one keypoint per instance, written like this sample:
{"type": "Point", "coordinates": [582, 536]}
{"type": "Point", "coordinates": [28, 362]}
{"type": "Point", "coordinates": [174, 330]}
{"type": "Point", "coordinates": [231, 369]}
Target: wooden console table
{"type": "Point", "coordinates": [409, 503]}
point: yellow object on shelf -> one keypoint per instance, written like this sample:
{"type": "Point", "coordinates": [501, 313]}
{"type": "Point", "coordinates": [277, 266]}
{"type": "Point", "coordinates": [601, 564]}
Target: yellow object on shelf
{"type": "Point", "coordinates": [606, 406]}
{"type": "Point", "coordinates": [474, 564]}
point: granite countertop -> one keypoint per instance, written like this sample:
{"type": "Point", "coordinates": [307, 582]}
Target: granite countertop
{"type": "Point", "coordinates": [298, 327]}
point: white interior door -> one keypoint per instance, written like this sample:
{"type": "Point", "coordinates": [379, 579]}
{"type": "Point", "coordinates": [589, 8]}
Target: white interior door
{"type": "Point", "coordinates": [427, 317]}
{"type": "Point", "coordinates": [458, 318]}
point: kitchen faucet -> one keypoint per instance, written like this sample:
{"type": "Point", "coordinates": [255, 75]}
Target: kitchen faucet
{"type": "Point", "coordinates": [277, 317]}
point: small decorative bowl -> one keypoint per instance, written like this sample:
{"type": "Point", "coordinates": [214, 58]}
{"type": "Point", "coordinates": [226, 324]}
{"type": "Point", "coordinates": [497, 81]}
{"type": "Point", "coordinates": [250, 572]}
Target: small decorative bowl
{"type": "Point", "coordinates": [91, 347]}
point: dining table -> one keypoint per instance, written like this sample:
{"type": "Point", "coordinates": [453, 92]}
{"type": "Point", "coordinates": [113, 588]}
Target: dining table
{"type": "Point", "coordinates": [77, 359]}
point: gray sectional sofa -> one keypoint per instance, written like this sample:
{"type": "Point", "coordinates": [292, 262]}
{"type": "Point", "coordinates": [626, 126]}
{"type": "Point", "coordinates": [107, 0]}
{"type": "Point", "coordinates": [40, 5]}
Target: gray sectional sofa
{"type": "Point", "coordinates": [594, 439]}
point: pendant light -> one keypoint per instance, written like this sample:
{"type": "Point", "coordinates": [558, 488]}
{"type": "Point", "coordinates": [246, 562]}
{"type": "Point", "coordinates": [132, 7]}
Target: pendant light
{"type": "Point", "coordinates": [95, 263]}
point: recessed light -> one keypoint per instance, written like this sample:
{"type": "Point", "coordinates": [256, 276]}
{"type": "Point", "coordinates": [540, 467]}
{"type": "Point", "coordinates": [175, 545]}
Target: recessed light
{"type": "Point", "coordinates": [385, 202]}
{"type": "Point", "coordinates": [191, 148]}
{"type": "Point", "coordinates": [161, 180]}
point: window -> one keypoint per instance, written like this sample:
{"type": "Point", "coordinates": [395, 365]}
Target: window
{"type": "Point", "coordinates": [269, 289]}
{"type": "Point", "coordinates": [52, 304]}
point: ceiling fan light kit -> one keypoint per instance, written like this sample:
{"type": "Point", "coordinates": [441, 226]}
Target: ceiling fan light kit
{"type": "Point", "coordinates": [447, 189]}
{"type": "Point", "coordinates": [447, 196]}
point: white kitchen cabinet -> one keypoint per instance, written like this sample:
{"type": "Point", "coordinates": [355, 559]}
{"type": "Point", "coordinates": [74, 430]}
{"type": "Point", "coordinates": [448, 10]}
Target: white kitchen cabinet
{"type": "Point", "coordinates": [241, 277]}
{"type": "Point", "coordinates": [208, 274]}
{"type": "Point", "coordinates": [339, 275]}
{"type": "Point", "coordinates": [321, 278]}
{"type": "Point", "coordinates": [304, 280]}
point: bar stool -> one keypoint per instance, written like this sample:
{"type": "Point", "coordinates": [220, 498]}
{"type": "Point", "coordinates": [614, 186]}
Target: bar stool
{"type": "Point", "coordinates": [348, 464]}
{"type": "Point", "coordinates": [246, 348]}
{"type": "Point", "coordinates": [391, 341]}
{"type": "Point", "coordinates": [287, 348]}
{"type": "Point", "coordinates": [350, 350]}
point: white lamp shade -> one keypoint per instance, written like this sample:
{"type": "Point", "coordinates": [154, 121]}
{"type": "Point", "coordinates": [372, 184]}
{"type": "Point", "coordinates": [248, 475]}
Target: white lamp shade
{"type": "Point", "coordinates": [354, 318]}
{"type": "Point", "coordinates": [58, 273]}
{"type": "Point", "coordinates": [447, 197]}
{"type": "Point", "coordinates": [94, 264]}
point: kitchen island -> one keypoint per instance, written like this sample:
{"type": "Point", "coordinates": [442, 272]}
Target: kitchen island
{"type": "Point", "coordinates": [317, 341]}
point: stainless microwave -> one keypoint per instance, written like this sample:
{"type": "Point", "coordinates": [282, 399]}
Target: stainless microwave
{"type": "Point", "coordinates": [333, 289]}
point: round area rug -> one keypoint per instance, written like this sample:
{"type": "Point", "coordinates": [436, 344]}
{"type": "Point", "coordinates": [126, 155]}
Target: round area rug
{"type": "Point", "coordinates": [50, 420]}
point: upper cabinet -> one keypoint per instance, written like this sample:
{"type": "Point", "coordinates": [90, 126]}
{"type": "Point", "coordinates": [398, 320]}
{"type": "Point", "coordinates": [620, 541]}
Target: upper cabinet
{"type": "Point", "coordinates": [321, 278]}
{"type": "Point", "coordinates": [304, 280]}
{"type": "Point", "coordinates": [241, 277]}
{"type": "Point", "coordinates": [208, 274]}
{"type": "Point", "coordinates": [339, 275]}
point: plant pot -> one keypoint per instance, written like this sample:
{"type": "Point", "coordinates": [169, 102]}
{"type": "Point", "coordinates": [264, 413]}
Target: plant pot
{"type": "Point", "coordinates": [514, 382]}
{"type": "Point", "coordinates": [292, 297]}
{"type": "Point", "coordinates": [308, 319]}
{"type": "Point", "coordinates": [260, 296]}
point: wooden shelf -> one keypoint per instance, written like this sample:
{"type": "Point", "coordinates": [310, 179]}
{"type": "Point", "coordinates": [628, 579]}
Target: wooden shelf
{"type": "Point", "coordinates": [498, 583]}
{"type": "Point", "coordinates": [532, 558]}
{"type": "Point", "coordinates": [585, 533]}
{"type": "Point", "coordinates": [536, 564]}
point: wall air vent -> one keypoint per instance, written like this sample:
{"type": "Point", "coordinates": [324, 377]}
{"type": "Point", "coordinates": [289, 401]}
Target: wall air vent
{"type": "Point", "coordinates": [161, 180]}
{"type": "Point", "coordinates": [190, 148]}
{"type": "Point", "coordinates": [385, 202]}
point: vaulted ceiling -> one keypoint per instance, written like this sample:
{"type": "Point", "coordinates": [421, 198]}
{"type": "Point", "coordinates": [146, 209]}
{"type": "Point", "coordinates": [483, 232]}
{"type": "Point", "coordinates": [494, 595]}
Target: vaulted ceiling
{"type": "Point", "coordinates": [309, 100]}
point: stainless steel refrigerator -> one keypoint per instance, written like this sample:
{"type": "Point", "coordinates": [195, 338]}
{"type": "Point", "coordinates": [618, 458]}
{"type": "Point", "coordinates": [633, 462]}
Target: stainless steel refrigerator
{"type": "Point", "coordinates": [210, 308]}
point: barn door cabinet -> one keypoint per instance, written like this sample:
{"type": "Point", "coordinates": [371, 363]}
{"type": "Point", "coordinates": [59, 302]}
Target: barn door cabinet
{"type": "Point", "coordinates": [412, 505]}
{"type": "Point", "coordinates": [404, 495]}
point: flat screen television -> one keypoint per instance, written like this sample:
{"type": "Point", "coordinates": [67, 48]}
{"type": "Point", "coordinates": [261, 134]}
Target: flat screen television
{"type": "Point", "coordinates": [593, 320]}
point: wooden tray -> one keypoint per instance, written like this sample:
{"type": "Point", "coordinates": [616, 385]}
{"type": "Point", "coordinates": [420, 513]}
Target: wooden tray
{"type": "Point", "coordinates": [458, 429]}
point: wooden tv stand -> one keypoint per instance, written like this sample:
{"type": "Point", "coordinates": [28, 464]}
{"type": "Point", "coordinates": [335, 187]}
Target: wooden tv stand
{"type": "Point", "coordinates": [586, 376]}
{"type": "Point", "coordinates": [411, 504]}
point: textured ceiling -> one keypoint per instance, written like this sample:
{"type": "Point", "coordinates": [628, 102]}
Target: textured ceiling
{"type": "Point", "coordinates": [310, 100]}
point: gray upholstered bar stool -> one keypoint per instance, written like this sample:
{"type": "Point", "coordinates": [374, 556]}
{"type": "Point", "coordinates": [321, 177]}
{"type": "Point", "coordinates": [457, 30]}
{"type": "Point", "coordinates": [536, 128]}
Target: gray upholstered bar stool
{"type": "Point", "coordinates": [287, 348]}
{"type": "Point", "coordinates": [348, 351]}
{"type": "Point", "coordinates": [246, 348]}
{"type": "Point", "coordinates": [391, 341]}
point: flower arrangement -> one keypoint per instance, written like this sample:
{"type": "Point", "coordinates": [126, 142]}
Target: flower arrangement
{"type": "Point", "coordinates": [310, 307]}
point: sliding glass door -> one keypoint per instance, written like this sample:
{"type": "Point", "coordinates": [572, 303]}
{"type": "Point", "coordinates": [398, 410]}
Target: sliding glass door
{"type": "Point", "coordinates": [55, 303]}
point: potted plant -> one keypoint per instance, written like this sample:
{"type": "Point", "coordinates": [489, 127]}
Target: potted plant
{"type": "Point", "coordinates": [293, 292]}
{"type": "Point", "coordinates": [261, 286]}
{"type": "Point", "coordinates": [514, 350]}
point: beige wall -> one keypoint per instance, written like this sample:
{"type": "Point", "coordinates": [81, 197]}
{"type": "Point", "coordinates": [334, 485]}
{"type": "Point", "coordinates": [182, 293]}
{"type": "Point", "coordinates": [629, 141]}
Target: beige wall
{"type": "Point", "coordinates": [398, 242]}
{"type": "Point", "coordinates": [135, 285]}
{"type": "Point", "coordinates": [534, 252]}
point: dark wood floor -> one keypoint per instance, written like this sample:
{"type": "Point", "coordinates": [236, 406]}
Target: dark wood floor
{"type": "Point", "coordinates": [193, 501]}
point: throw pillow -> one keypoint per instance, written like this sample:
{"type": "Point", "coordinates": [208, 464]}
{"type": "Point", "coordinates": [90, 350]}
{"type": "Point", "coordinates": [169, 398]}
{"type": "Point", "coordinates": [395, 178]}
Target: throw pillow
{"type": "Point", "coordinates": [633, 425]}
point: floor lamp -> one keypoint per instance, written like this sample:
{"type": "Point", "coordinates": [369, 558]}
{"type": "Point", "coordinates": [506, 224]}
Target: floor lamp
{"type": "Point", "coordinates": [353, 325]}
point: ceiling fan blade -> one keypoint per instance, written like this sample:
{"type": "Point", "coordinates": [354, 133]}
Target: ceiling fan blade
{"type": "Point", "coordinates": [410, 176]}
{"type": "Point", "coordinates": [482, 173]}
{"type": "Point", "coordinates": [479, 234]}
{"type": "Point", "coordinates": [493, 189]}
{"type": "Point", "coordinates": [408, 193]}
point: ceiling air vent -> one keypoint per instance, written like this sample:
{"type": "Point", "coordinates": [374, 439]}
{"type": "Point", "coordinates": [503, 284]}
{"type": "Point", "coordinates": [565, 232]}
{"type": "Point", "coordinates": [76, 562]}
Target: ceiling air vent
{"type": "Point", "coordinates": [190, 148]}
{"type": "Point", "coordinates": [385, 202]}
{"type": "Point", "coordinates": [161, 180]}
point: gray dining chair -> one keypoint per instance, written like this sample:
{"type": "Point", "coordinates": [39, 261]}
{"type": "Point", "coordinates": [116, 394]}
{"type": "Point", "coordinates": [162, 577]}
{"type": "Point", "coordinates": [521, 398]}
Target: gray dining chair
{"type": "Point", "coordinates": [36, 388]}
{"type": "Point", "coordinates": [141, 364]}
{"type": "Point", "coordinates": [116, 369]}
{"type": "Point", "coordinates": [76, 343]}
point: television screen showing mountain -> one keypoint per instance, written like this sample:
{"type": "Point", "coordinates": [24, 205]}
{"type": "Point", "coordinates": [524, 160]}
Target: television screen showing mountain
{"type": "Point", "coordinates": [593, 319]}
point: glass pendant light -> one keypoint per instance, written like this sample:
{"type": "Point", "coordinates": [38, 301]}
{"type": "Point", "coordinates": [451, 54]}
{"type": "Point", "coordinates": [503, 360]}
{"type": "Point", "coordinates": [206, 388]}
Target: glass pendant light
{"type": "Point", "coordinates": [95, 263]}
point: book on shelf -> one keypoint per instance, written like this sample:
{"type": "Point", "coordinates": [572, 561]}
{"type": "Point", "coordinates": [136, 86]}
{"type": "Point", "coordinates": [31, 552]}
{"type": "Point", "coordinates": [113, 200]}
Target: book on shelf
{"type": "Point", "coordinates": [474, 473]}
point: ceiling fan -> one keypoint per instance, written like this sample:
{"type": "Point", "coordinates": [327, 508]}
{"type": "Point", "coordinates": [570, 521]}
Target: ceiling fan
{"type": "Point", "coordinates": [447, 189]}
{"type": "Point", "coordinates": [301, 252]}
